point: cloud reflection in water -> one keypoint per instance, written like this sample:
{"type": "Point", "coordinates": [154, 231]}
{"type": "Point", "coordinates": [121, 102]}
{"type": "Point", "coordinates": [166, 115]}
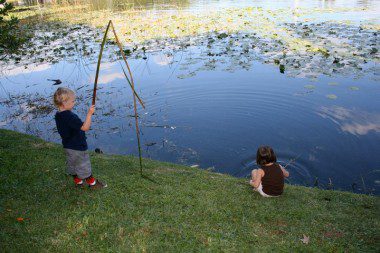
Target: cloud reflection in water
{"type": "Point", "coordinates": [353, 121]}
{"type": "Point", "coordinates": [32, 68]}
{"type": "Point", "coordinates": [109, 72]}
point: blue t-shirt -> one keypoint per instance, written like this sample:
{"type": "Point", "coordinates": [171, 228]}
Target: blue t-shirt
{"type": "Point", "coordinates": [69, 125]}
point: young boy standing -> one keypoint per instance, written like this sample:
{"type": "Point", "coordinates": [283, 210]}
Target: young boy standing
{"type": "Point", "coordinates": [72, 131]}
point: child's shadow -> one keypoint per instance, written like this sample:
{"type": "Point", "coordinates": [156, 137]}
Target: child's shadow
{"type": "Point", "coordinates": [149, 179]}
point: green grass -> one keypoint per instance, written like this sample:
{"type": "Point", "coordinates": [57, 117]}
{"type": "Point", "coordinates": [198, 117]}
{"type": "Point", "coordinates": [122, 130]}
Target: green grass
{"type": "Point", "coordinates": [175, 208]}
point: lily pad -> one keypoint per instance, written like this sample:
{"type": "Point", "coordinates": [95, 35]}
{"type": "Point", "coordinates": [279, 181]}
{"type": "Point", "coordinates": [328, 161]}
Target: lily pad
{"type": "Point", "coordinates": [222, 35]}
{"type": "Point", "coordinates": [183, 76]}
{"type": "Point", "coordinates": [333, 84]}
{"type": "Point", "coordinates": [310, 87]}
{"type": "Point", "coordinates": [354, 88]}
{"type": "Point", "coordinates": [331, 96]}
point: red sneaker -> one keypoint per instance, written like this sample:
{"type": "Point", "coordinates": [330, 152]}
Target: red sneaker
{"type": "Point", "coordinates": [97, 185]}
{"type": "Point", "coordinates": [78, 182]}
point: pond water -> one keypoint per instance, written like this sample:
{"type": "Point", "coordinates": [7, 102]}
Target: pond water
{"type": "Point", "coordinates": [212, 107]}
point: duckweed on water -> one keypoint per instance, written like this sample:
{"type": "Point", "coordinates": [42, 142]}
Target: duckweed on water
{"type": "Point", "coordinates": [354, 88]}
{"type": "Point", "coordinates": [310, 87]}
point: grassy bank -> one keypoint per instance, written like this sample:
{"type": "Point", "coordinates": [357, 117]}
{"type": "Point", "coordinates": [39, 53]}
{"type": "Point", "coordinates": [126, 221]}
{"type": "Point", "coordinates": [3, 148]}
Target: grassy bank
{"type": "Point", "coordinates": [175, 208]}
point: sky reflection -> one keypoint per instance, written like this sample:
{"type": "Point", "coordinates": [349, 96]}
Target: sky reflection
{"type": "Point", "coordinates": [353, 121]}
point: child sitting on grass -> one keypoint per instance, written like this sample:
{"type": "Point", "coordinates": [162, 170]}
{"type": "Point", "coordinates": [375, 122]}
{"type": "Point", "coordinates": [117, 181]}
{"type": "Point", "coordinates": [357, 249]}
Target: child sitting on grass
{"type": "Point", "coordinates": [269, 179]}
{"type": "Point", "coordinates": [72, 131]}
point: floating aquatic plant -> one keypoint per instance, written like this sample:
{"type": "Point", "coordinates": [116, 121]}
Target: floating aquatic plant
{"type": "Point", "coordinates": [310, 87]}
{"type": "Point", "coordinates": [331, 96]}
{"type": "Point", "coordinates": [304, 49]}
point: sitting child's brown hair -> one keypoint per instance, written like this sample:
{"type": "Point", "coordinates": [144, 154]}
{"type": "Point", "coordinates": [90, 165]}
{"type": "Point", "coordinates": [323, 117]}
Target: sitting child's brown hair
{"type": "Point", "coordinates": [265, 155]}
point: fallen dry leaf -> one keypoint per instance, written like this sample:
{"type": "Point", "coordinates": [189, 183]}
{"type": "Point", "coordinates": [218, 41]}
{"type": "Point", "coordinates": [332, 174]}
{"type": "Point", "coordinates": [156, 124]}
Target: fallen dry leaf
{"type": "Point", "coordinates": [333, 234]}
{"type": "Point", "coordinates": [20, 219]}
{"type": "Point", "coordinates": [305, 239]}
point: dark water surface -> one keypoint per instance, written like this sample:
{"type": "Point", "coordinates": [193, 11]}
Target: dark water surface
{"type": "Point", "coordinates": [215, 112]}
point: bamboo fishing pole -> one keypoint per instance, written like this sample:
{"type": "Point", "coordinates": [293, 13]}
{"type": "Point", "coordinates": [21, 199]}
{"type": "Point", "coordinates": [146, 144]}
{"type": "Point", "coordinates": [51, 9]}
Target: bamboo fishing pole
{"type": "Point", "coordinates": [130, 82]}
{"type": "Point", "coordinates": [98, 65]}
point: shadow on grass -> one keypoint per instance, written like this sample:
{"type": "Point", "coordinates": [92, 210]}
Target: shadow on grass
{"type": "Point", "coordinates": [149, 179]}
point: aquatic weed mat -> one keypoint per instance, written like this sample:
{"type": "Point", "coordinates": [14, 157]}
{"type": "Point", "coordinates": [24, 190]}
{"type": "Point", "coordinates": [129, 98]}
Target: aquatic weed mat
{"type": "Point", "coordinates": [305, 49]}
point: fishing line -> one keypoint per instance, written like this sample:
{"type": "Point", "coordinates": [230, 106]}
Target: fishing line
{"type": "Point", "coordinates": [5, 91]}
{"type": "Point", "coordinates": [292, 160]}
{"type": "Point", "coordinates": [246, 166]}
{"type": "Point", "coordinates": [175, 68]}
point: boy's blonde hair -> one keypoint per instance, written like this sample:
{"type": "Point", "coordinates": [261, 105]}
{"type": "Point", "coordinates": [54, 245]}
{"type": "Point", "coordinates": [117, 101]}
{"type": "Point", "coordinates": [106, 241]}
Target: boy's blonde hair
{"type": "Point", "coordinates": [61, 95]}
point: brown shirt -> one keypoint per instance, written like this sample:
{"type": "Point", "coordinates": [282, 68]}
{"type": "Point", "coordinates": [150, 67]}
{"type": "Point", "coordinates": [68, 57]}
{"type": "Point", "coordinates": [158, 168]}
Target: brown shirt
{"type": "Point", "coordinates": [273, 180]}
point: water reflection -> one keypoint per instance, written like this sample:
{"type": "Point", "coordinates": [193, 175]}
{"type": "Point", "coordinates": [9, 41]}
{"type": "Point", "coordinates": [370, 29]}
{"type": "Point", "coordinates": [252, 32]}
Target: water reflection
{"type": "Point", "coordinates": [352, 121]}
{"type": "Point", "coordinates": [108, 74]}
{"type": "Point", "coordinates": [212, 119]}
{"type": "Point", "coordinates": [163, 60]}
{"type": "Point", "coordinates": [17, 70]}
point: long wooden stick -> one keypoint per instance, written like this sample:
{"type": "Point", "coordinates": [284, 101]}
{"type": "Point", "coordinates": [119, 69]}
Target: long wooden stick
{"type": "Point", "coordinates": [125, 60]}
{"type": "Point", "coordinates": [134, 95]}
{"type": "Point", "coordinates": [130, 81]}
{"type": "Point", "coordinates": [98, 66]}
{"type": "Point", "coordinates": [133, 90]}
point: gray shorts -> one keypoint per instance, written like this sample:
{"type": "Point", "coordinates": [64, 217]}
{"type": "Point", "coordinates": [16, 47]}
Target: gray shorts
{"type": "Point", "coordinates": [78, 163]}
